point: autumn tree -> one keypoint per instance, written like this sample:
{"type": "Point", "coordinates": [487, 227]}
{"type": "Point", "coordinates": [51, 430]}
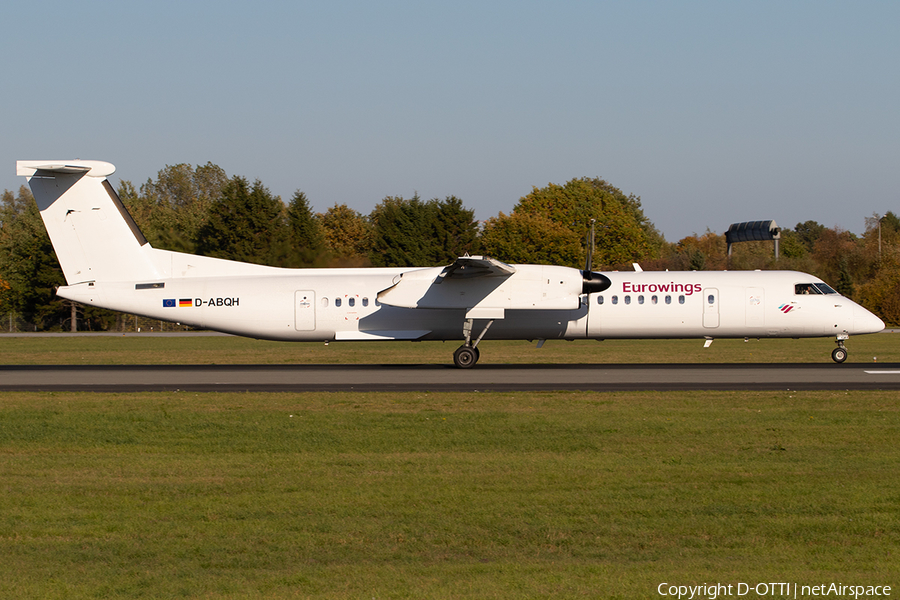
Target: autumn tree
{"type": "Point", "coordinates": [838, 259]}
{"type": "Point", "coordinates": [531, 239]}
{"type": "Point", "coordinates": [347, 235]}
{"type": "Point", "coordinates": [702, 252]}
{"type": "Point", "coordinates": [879, 291]}
{"type": "Point", "coordinates": [622, 233]}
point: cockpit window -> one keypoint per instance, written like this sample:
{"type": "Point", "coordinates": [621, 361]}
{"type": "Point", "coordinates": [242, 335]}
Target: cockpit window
{"type": "Point", "coordinates": [806, 289]}
{"type": "Point", "coordinates": [825, 288]}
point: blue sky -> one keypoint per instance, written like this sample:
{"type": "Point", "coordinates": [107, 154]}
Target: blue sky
{"type": "Point", "coordinates": [711, 112]}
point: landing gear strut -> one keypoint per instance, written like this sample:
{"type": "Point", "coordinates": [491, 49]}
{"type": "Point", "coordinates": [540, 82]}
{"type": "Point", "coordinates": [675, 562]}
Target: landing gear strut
{"type": "Point", "coordinates": [839, 354]}
{"type": "Point", "coordinates": [467, 355]}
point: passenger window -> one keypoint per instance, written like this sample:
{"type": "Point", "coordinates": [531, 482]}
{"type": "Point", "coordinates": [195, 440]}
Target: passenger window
{"type": "Point", "coordinates": [711, 299]}
{"type": "Point", "coordinates": [615, 299]}
{"type": "Point", "coordinates": [337, 302]}
{"type": "Point", "coordinates": [668, 299]}
{"type": "Point", "coordinates": [640, 299]}
{"type": "Point", "coordinates": [365, 301]}
{"type": "Point", "coordinates": [351, 301]}
{"type": "Point", "coordinates": [324, 302]}
{"type": "Point", "coordinates": [680, 299]}
{"type": "Point", "coordinates": [599, 299]}
{"type": "Point", "coordinates": [653, 299]}
{"type": "Point", "coordinates": [627, 299]}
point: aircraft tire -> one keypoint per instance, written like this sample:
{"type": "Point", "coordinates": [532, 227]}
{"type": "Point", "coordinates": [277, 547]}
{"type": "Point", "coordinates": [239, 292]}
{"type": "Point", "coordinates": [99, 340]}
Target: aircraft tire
{"type": "Point", "coordinates": [839, 355]}
{"type": "Point", "coordinates": [465, 357]}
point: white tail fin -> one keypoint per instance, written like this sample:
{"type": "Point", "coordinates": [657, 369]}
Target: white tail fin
{"type": "Point", "coordinates": [94, 236]}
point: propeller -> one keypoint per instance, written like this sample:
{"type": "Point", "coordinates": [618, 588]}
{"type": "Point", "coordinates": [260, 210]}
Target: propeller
{"type": "Point", "coordinates": [593, 282]}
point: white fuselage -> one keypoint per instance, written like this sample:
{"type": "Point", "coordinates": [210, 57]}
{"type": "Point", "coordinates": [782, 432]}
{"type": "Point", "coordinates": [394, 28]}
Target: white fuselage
{"type": "Point", "coordinates": [343, 304]}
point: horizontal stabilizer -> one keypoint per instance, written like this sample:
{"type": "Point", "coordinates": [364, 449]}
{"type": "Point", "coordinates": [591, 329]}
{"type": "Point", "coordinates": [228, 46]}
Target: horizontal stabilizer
{"type": "Point", "coordinates": [94, 168]}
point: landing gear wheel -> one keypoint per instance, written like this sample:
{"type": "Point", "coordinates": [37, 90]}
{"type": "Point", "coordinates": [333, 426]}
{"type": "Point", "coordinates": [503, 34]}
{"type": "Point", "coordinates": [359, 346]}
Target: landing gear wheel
{"type": "Point", "coordinates": [839, 355]}
{"type": "Point", "coordinates": [465, 357]}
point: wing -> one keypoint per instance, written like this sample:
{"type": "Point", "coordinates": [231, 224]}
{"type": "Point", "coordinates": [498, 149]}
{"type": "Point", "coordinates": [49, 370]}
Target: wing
{"type": "Point", "coordinates": [467, 267]}
{"type": "Point", "coordinates": [486, 287]}
{"type": "Point", "coordinates": [469, 280]}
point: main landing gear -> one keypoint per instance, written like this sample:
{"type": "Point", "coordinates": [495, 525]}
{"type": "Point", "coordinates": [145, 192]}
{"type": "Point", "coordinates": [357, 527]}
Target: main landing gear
{"type": "Point", "coordinates": [839, 354]}
{"type": "Point", "coordinates": [467, 355]}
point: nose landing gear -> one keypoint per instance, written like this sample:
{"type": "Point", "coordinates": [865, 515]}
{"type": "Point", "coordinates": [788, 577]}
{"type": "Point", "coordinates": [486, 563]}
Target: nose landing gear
{"type": "Point", "coordinates": [839, 354]}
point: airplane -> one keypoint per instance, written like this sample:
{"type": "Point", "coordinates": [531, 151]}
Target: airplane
{"type": "Point", "coordinates": [107, 262]}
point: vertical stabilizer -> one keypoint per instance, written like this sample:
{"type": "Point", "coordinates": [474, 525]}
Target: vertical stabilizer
{"type": "Point", "coordinates": [94, 237]}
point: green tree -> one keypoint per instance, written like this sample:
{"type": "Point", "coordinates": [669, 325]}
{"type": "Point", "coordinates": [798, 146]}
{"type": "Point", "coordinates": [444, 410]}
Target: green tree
{"type": "Point", "coordinates": [808, 233]}
{"type": "Point", "coordinates": [401, 233]}
{"type": "Point", "coordinates": [247, 223]}
{"type": "Point", "coordinates": [28, 263]}
{"type": "Point", "coordinates": [455, 229]}
{"type": "Point", "coordinates": [792, 245]}
{"type": "Point", "coordinates": [890, 222]}
{"type": "Point", "coordinates": [844, 284]}
{"type": "Point", "coordinates": [172, 209]}
{"type": "Point", "coordinates": [407, 233]}
{"type": "Point", "coordinates": [307, 240]}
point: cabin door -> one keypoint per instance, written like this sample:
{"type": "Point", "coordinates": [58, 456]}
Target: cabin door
{"type": "Point", "coordinates": [756, 316]}
{"type": "Point", "coordinates": [304, 310]}
{"type": "Point", "coordinates": [710, 307]}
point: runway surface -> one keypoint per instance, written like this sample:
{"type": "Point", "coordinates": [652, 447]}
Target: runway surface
{"type": "Point", "coordinates": [299, 378]}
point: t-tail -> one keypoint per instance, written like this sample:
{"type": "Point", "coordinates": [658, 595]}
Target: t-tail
{"type": "Point", "coordinates": [94, 236]}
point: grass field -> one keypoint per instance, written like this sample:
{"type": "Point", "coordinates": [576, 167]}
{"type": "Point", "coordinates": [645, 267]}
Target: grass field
{"type": "Point", "coordinates": [415, 495]}
{"type": "Point", "coordinates": [502, 495]}
{"type": "Point", "coordinates": [885, 347]}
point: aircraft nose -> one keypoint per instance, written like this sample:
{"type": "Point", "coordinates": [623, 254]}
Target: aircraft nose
{"type": "Point", "coordinates": [865, 322]}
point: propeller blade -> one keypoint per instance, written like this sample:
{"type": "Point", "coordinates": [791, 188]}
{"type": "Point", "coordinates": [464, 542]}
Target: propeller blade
{"type": "Point", "coordinates": [590, 249]}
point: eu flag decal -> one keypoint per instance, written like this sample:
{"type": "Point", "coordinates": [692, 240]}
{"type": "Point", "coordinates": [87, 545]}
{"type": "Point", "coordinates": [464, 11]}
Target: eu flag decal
{"type": "Point", "coordinates": [169, 303]}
